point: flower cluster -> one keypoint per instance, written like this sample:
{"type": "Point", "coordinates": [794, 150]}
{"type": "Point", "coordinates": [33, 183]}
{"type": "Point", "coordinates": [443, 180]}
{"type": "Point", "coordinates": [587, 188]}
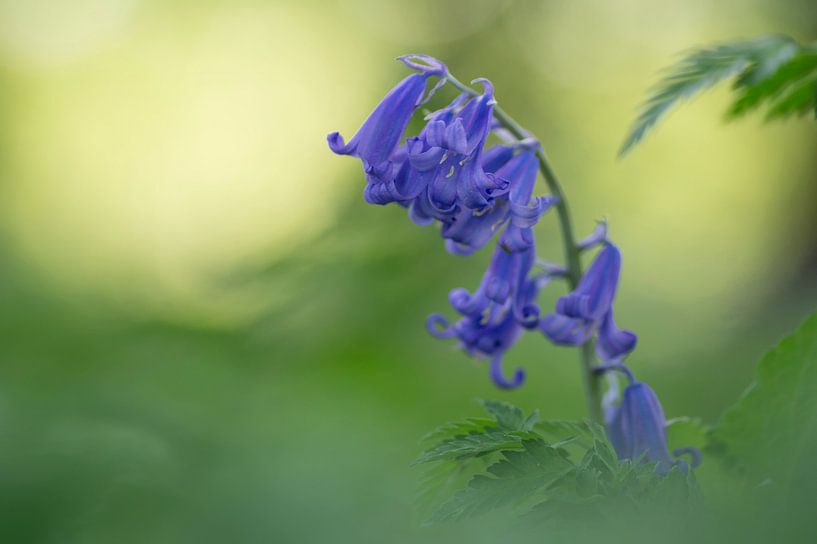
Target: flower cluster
{"type": "Point", "coordinates": [447, 175]}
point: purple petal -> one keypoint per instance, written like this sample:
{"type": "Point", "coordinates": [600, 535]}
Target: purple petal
{"type": "Point", "coordinates": [566, 331]}
{"type": "Point", "coordinates": [467, 304]}
{"type": "Point", "coordinates": [613, 343]}
{"type": "Point", "coordinates": [594, 295]}
{"type": "Point", "coordinates": [497, 156]}
{"type": "Point", "coordinates": [439, 327]}
{"type": "Point", "coordinates": [473, 229]}
{"type": "Point", "coordinates": [640, 427]}
{"type": "Point", "coordinates": [428, 65]}
{"type": "Point", "coordinates": [380, 134]}
{"type": "Point", "coordinates": [499, 378]}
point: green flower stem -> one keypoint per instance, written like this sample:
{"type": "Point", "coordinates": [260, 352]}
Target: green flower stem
{"type": "Point", "coordinates": [592, 389]}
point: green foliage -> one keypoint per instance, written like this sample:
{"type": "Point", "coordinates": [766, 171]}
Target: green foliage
{"type": "Point", "coordinates": [547, 469]}
{"type": "Point", "coordinates": [510, 417]}
{"type": "Point", "coordinates": [686, 432]}
{"type": "Point", "coordinates": [758, 468]}
{"type": "Point", "coordinates": [769, 436]}
{"type": "Point", "coordinates": [772, 71]}
{"type": "Point", "coordinates": [475, 437]}
{"type": "Point", "coordinates": [520, 476]}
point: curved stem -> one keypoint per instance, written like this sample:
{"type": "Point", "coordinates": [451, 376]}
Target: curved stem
{"type": "Point", "coordinates": [590, 381]}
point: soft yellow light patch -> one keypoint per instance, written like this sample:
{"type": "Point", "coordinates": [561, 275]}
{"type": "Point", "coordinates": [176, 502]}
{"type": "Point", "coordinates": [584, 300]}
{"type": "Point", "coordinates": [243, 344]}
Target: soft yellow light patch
{"type": "Point", "coordinates": [48, 33]}
{"type": "Point", "coordinates": [194, 144]}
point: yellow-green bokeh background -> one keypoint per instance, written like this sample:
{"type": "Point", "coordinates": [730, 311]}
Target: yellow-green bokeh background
{"type": "Point", "coordinates": [209, 337]}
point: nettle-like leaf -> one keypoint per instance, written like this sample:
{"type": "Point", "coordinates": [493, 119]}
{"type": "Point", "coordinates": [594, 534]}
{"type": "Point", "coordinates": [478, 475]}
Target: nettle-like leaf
{"type": "Point", "coordinates": [510, 417]}
{"type": "Point", "coordinates": [686, 432]}
{"type": "Point", "coordinates": [769, 436]}
{"type": "Point", "coordinates": [455, 452]}
{"type": "Point", "coordinates": [540, 468]}
{"type": "Point", "coordinates": [474, 445]}
{"type": "Point", "coordinates": [773, 71]}
{"type": "Point", "coordinates": [471, 425]}
{"type": "Point", "coordinates": [475, 437]}
{"type": "Point", "coordinates": [518, 478]}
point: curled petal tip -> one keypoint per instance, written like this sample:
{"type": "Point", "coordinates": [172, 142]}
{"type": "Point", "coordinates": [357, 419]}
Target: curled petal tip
{"type": "Point", "coordinates": [528, 316]}
{"type": "Point", "coordinates": [439, 327]}
{"type": "Point", "coordinates": [337, 144]}
{"type": "Point", "coordinates": [499, 378]}
{"type": "Point", "coordinates": [455, 248]}
{"type": "Point", "coordinates": [617, 366]}
{"type": "Point", "coordinates": [427, 65]}
{"type": "Point", "coordinates": [528, 144]}
{"type": "Point", "coordinates": [467, 304]}
{"type": "Point", "coordinates": [487, 86]}
{"type": "Point", "coordinates": [694, 454]}
{"type": "Point", "coordinates": [597, 237]}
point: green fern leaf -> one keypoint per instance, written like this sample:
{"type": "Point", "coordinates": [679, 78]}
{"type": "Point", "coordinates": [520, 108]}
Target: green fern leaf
{"type": "Point", "coordinates": [799, 100]}
{"type": "Point", "coordinates": [753, 95]}
{"type": "Point", "coordinates": [756, 59]}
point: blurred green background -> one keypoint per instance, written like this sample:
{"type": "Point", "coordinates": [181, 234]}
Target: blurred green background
{"type": "Point", "coordinates": [207, 336]}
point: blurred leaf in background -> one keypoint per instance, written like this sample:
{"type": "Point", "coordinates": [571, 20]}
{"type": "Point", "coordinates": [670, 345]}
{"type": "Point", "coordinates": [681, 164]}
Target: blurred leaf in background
{"type": "Point", "coordinates": [773, 71]}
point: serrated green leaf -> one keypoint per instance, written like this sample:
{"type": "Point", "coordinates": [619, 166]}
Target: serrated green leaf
{"type": "Point", "coordinates": [677, 490]}
{"type": "Point", "coordinates": [686, 432]}
{"type": "Point", "coordinates": [575, 437]}
{"type": "Point", "coordinates": [605, 454]}
{"type": "Point", "coordinates": [770, 435]}
{"type": "Point", "coordinates": [517, 479]}
{"type": "Point", "coordinates": [702, 69]}
{"type": "Point", "coordinates": [556, 430]}
{"type": "Point", "coordinates": [439, 481]}
{"type": "Point", "coordinates": [467, 426]}
{"type": "Point", "coordinates": [508, 416]}
{"type": "Point", "coordinates": [474, 445]}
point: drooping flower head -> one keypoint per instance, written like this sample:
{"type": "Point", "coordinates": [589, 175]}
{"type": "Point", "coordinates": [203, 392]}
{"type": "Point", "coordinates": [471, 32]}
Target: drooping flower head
{"type": "Point", "coordinates": [637, 428]}
{"type": "Point", "coordinates": [589, 309]}
{"type": "Point", "coordinates": [376, 142]}
{"type": "Point", "coordinates": [496, 314]}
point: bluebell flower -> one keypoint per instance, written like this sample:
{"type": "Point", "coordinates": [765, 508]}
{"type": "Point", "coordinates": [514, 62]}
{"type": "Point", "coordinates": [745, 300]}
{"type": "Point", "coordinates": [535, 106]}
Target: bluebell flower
{"type": "Point", "coordinates": [376, 142]}
{"type": "Point", "coordinates": [469, 230]}
{"type": "Point", "coordinates": [423, 210]}
{"type": "Point", "coordinates": [450, 151]}
{"type": "Point", "coordinates": [497, 313]}
{"type": "Point", "coordinates": [525, 210]}
{"type": "Point", "coordinates": [589, 309]}
{"type": "Point", "coordinates": [637, 428]}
